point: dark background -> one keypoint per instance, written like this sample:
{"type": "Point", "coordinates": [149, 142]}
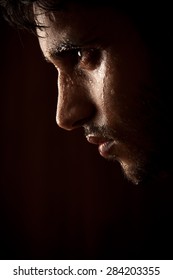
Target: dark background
{"type": "Point", "coordinates": [58, 198]}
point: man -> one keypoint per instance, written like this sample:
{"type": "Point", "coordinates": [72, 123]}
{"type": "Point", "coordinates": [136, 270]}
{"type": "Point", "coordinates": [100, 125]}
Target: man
{"type": "Point", "coordinates": [114, 77]}
{"type": "Point", "coordinates": [111, 74]}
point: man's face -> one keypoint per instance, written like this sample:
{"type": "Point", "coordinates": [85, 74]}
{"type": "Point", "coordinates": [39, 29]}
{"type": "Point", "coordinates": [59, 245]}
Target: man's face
{"type": "Point", "coordinates": [105, 82]}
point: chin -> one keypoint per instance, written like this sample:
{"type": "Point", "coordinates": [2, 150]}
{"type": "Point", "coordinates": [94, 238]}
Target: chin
{"type": "Point", "coordinates": [131, 174]}
{"type": "Point", "coordinates": [135, 172]}
{"type": "Point", "coordinates": [139, 172]}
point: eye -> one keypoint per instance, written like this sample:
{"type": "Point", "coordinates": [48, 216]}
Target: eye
{"type": "Point", "coordinates": [89, 58]}
{"type": "Point", "coordinates": [84, 58]}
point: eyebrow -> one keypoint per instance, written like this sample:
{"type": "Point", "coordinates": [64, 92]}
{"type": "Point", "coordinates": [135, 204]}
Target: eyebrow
{"type": "Point", "coordinates": [64, 46]}
{"type": "Point", "coordinates": [58, 50]}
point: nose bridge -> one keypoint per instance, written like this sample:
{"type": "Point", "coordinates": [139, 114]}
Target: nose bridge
{"type": "Point", "coordinates": [74, 107]}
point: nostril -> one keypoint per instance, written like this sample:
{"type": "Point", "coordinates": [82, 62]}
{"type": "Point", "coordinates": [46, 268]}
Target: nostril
{"type": "Point", "coordinates": [88, 115]}
{"type": "Point", "coordinates": [80, 122]}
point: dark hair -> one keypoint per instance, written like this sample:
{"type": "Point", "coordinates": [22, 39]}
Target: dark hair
{"type": "Point", "coordinates": [19, 13]}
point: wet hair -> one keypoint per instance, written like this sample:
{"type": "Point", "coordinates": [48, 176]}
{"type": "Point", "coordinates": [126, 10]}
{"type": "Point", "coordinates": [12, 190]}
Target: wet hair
{"type": "Point", "coordinates": [19, 13]}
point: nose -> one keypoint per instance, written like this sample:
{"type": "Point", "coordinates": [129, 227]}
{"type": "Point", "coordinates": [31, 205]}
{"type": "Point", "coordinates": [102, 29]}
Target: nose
{"type": "Point", "coordinates": [74, 107]}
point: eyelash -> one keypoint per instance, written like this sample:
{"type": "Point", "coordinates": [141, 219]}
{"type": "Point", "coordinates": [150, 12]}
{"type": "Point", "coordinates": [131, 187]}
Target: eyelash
{"type": "Point", "coordinates": [88, 58]}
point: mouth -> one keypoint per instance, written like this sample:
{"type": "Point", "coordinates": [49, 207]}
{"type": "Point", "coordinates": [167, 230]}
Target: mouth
{"type": "Point", "coordinates": [105, 145]}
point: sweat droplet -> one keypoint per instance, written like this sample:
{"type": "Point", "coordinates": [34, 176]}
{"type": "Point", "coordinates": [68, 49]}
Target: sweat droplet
{"type": "Point", "coordinates": [112, 92]}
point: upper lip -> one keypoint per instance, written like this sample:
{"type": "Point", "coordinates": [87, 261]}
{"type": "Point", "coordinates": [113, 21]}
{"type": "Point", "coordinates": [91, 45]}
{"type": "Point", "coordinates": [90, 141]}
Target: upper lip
{"type": "Point", "coordinates": [97, 140]}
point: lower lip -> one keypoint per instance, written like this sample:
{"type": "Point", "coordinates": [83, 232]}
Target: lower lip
{"type": "Point", "coordinates": [106, 149]}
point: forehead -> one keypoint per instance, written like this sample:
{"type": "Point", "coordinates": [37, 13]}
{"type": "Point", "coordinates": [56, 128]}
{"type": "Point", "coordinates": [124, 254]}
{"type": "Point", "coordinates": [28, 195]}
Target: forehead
{"type": "Point", "coordinates": [77, 21]}
{"type": "Point", "coordinates": [80, 24]}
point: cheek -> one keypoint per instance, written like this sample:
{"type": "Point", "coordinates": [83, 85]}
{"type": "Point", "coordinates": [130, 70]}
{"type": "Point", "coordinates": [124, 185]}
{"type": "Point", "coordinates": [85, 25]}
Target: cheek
{"type": "Point", "coordinates": [103, 84]}
{"type": "Point", "coordinates": [98, 81]}
{"type": "Point", "coordinates": [111, 99]}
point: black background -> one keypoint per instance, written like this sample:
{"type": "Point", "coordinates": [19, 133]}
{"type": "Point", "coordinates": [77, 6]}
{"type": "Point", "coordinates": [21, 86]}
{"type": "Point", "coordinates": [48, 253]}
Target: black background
{"type": "Point", "coordinates": [58, 198]}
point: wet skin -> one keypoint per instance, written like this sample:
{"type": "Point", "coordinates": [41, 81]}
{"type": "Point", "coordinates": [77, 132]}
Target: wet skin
{"type": "Point", "coordinates": [106, 83]}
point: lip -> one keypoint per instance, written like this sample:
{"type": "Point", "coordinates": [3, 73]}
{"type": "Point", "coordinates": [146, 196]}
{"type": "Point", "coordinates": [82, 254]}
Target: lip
{"type": "Point", "coordinates": [96, 139]}
{"type": "Point", "coordinates": [105, 146]}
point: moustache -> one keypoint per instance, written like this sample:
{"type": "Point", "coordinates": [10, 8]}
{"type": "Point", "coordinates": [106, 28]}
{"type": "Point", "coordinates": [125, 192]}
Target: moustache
{"type": "Point", "coordinates": [100, 131]}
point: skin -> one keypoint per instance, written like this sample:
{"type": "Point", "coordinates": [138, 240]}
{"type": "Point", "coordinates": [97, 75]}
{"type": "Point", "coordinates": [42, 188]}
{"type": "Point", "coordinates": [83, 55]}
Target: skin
{"type": "Point", "coordinates": [106, 83]}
